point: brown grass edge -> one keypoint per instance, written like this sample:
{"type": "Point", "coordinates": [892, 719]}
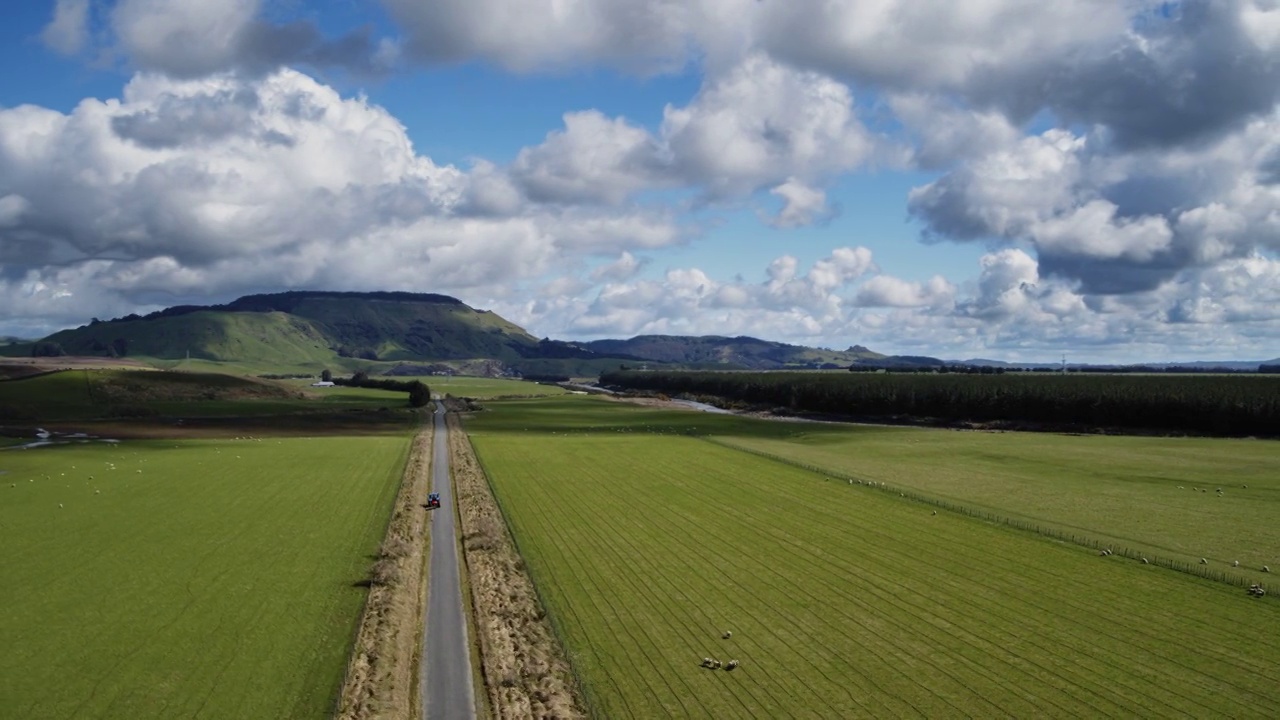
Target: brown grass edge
{"type": "Point", "coordinates": [382, 674]}
{"type": "Point", "coordinates": [525, 669]}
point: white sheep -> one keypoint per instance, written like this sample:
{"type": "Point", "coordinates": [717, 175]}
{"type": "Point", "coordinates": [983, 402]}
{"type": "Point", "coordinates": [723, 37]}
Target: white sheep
{"type": "Point", "coordinates": [1203, 561]}
{"type": "Point", "coordinates": [727, 634]}
{"type": "Point", "coordinates": [1266, 569]}
{"type": "Point", "coordinates": [1235, 563]}
{"type": "Point", "coordinates": [1144, 561]}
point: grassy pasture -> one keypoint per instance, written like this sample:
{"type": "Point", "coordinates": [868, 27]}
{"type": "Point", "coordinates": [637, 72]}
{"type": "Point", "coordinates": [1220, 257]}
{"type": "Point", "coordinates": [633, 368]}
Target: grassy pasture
{"type": "Point", "coordinates": [1147, 493]}
{"type": "Point", "coordinates": [646, 543]}
{"type": "Point", "coordinates": [95, 394]}
{"type": "Point", "coordinates": [481, 387]}
{"type": "Point", "coordinates": [187, 578]}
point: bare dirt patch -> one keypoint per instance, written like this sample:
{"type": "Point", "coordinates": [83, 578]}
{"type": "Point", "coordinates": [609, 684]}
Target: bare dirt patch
{"type": "Point", "coordinates": [381, 680]}
{"type": "Point", "coordinates": [526, 673]}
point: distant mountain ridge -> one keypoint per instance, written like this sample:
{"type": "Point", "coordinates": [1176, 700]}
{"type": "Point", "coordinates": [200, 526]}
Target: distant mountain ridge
{"type": "Point", "coordinates": [742, 351]}
{"type": "Point", "coordinates": [317, 327]}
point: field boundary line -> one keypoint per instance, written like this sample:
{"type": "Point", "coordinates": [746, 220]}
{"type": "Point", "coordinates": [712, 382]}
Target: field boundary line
{"type": "Point", "coordinates": [380, 677]}
{"type": "Point", "coordinates": [1200, 571]}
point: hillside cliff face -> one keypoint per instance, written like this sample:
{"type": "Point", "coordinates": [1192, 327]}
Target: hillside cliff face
{"type": "Point", "coordinates": [304, 326]}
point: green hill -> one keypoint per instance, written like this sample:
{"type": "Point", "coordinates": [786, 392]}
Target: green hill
{"type": "Point", "coordinates": [740, 352]}
{"type": "Point", "coordinates": [271, 337]}
{"type": "Point", "coordinates": [312, 328]}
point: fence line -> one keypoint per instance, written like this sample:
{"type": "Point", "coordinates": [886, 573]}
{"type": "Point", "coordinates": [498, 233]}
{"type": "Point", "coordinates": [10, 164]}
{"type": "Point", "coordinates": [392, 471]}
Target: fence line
{"type": "Point", "coordinates": [1202, 571]}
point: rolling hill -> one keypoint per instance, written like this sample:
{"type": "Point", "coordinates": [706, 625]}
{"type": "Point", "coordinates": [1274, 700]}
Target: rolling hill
{"type": "Point", "coordinates": [345, 329]}
{"type": "Point", "coordinates": [743, 352]}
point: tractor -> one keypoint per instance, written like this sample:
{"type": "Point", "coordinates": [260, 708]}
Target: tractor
{"type": "Point", "coordinates": [433, 501]}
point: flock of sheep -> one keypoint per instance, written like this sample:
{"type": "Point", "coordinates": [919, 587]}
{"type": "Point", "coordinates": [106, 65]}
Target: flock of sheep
{"type": "Point", "coordinates": [713, 664]}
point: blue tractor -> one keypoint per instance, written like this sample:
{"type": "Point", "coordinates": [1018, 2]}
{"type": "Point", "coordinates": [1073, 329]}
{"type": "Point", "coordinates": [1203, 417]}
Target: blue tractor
{"type": "Point", "coordinates": [433, 501]}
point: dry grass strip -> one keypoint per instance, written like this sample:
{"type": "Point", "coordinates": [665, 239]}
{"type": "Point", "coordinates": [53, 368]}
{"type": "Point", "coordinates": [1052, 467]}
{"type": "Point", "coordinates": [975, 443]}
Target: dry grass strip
{"type": "Point", "coordinates": [381, 679]}
{"type": "Point", "coordinates": [525, 671]}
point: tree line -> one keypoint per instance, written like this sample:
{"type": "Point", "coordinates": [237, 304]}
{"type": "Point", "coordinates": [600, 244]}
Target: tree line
{"type": "Point", "coordinates": [1238, 405]}
{"type": "Point", "coordinates": [419, 393]}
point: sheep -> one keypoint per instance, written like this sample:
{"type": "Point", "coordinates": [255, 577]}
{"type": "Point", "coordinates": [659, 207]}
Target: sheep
{"type": "Point", "coordinates": [1266, 569]}
{"type": "Point", "coordinates": [727, 634]}
{"type": "Point", "coordinates": [935, 512]}
{"type": "Point", "coordinates": [1235, 563]}
{"type": "Point", "coordinates": [1203, 561]}
{"type": "Point", "coordinates": [706, 662]}
{"type": "Point", "coordinates": [732, 664]}
{"type": "Point", "coordinates": [1144, 561]}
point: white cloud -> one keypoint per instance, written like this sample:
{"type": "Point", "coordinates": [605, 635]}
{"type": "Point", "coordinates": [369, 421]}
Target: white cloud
{"type": "Point", "coordinates": [197, 38]}
{"type": "Point", "coordinates": [760, 125]}
{"type": "Point", "coordinates": [622, 269]}
{"type": "Point", "coordinates": [68, 32]}
{"type": "Point", "coordinates": [229, 184]}
{"type": "Point", "coordinates": [594, 159]}
{"type": "Point", "coordinates": [802, 205]}
{"type": "Point", "coordinates": [549, 34]}
{"type": "Point", "coordinates": [889, 291]}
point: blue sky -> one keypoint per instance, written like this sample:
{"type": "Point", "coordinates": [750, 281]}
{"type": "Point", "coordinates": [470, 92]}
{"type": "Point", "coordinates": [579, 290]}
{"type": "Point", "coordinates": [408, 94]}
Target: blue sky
{"type": "Point", "coordinates": [998, 178]}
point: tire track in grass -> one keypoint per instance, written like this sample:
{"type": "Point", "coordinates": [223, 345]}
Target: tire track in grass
{"type": "Point", "coordinates": [564, 609]}
{"type": "Point", "coordinates": [1193, 701]}
{"type": "Point", "coordinates": [638, 589]}
{"type": "Point", "coordinates": [923, 616]}
{"type": "Point", "coordinates": [728, 442]}
{"type": "Point", "coordinates": [636, 559]}
{"type": "Point", "coordinates": [894, 597]}
{"type": "Point", "coordinates": [585, 575]}
{"type": "Point", "coordinates": [892, 539]}
{"type": "Point", "coordinates": [806, 552]}
{"type": "Point", "coordinates": [674, 588]}
{"type": "Point", "coordinates": [1188, 698]}
{"type": "Point", "coordinates": [1155, 638]}
{"type": "Point", "coordinates": [901, 655]}
{"type": "Point", "coordinates": [814, 640]}
{"type": "Point", "coordinates": [585, 578]}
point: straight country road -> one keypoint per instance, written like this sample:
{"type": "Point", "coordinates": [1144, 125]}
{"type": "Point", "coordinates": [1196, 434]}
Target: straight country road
{"type": "Point", "coordinates": [447, 693]}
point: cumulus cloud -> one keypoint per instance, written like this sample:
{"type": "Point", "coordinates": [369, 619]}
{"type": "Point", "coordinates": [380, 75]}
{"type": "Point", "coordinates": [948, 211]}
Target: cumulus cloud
{"type": "Point", "coordinates": [229, 184]}
{"type": "Point", "coordinates": [196, 38]}
{"type": "Point", "coordinates": [760, 125]}
{"type": "Point", "coordinates": [594, 159]}
{"type": "Point", "coordinates": [622, 269]}
{"type": "Point", "coordinates": [1115, 220]}
{"type": "Point", "coordinates": [68, 32]}
{"type": "Point", "coordinates": [549, 34]}
{"type": "Point", "coordinates": [889, 291]}
{"type": "Point", "coordinates": [802, 205]}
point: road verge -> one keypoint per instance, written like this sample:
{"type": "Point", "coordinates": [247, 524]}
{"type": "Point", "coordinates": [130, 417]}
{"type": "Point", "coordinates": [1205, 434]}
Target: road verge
{"type": "Point", "coordinates": [381, 679]}
{"type": "Point", "coordinates": [525, 670]}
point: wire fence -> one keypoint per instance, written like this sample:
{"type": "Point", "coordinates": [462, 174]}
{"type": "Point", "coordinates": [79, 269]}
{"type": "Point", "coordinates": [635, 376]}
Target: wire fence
{"type": "Point", "coordinates": [1202, 570]}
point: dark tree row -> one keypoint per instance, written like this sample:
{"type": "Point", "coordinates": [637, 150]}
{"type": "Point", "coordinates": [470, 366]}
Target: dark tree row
{"type": "Point", "coordinates": [419, 393]}
{"type": "Point", "coordinates": [1219, 405]}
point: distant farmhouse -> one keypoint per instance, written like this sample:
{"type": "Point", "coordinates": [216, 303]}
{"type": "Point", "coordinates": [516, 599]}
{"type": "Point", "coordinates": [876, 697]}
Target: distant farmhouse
{"type": "Point", "coordinates": [322, 383]}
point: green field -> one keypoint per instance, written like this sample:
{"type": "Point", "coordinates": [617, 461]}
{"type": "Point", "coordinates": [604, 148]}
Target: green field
{"type": "Point", "coordinates": [187, 578]}
{"type": "Point", "coordinates": [480, 387]}
{"type": "Point", "coordinates": [647, 541]}
{"type": "Point", "coordinates": [108, 394]}
{"type": "Point", "coordinates": [1147, 493]}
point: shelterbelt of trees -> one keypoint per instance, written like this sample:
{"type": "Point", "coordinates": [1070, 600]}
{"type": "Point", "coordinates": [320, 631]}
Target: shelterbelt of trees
{"type": "Point", "coordinates": [1236, 405]}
